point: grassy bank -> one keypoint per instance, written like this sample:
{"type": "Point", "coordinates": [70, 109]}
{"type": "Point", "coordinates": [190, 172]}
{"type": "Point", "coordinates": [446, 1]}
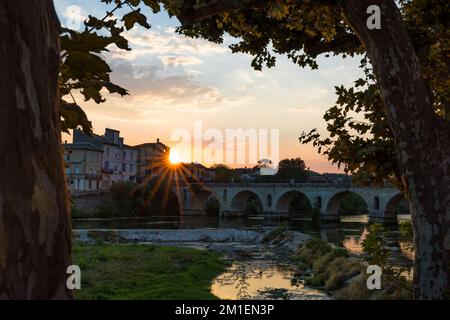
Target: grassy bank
{"type": "Point", "coordinates": [133, 271]}
{"type": "Point", "coordinates": [333, 270]}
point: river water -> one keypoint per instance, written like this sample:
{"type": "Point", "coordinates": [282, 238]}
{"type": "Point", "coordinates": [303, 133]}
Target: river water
{"type": "Point", "coordinates": [257, 275]}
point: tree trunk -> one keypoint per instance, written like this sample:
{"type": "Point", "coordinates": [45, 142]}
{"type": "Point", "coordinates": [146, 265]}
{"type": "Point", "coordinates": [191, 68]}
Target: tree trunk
{"type": "Point", "coordinates": [421, 139]}
{"type": "Point", "coordinates": [35, 231]}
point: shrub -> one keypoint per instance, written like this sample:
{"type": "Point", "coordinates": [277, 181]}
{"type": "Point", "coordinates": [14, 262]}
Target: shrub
{"type": "Point", "coordinates": [334, 270]}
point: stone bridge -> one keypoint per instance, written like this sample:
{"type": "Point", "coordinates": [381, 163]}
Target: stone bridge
{"type": "Point", "coordinates": [275, 198]}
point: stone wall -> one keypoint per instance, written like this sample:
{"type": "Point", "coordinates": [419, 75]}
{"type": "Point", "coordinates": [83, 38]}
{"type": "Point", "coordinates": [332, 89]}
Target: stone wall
{"type": "Point", "coordinates": [88, 203]}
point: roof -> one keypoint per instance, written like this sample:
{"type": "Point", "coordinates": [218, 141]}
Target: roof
{"type": "Point", "coordinates": [130, 147]}
{"type": "Point", "coordinates": [150, 144]}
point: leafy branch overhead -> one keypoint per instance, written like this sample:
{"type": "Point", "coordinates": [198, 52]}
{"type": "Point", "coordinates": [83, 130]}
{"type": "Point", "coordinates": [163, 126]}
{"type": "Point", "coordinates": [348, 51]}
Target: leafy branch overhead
{"type": "Point", "coordinates": [359, 137]}
{"type": "Point", "coordinates": [366, 147]}
{"type": "Point", "coordinates": [83, 68]}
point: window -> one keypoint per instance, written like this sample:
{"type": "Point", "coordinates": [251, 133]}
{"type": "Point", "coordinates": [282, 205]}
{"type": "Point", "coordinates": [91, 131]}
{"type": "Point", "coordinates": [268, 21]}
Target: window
{"type": "Point", "coordinates": [269, 200]}
{"type": "Point", "coordinates": [107, 152]}
{"type": "Point", "coordinates": [124, 155]}
{"type": "Point", "coordinates": [376, 203]}
{"type": "Point", "coordinates": [225, 195]}
{"type": "Point", "coordinates": [124, 168]}
{"type": "Point", "coordinates": [131, 167]}
{"type": "Point", "coordinates": [319, 202]}
{"type": "Point", "coordinates": [107, 164]}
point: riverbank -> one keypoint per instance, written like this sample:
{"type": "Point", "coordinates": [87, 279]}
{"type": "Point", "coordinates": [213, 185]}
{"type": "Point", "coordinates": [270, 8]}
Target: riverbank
{"type": "Point", "coordinates": [263, 263]}
{"type": "Point", "coordinates": [258, 264]}
{"type": "Point", "coordinates": [342, 275]}
{"type": "Point", "coordinates": [136, 271]}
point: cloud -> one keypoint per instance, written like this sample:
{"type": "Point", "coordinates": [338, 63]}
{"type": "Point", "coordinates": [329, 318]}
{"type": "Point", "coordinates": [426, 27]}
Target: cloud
{"type": "Point", "coordinates": [175, 60]}
{"type": "Point", "coordinates": [165, 42]}
{"type": "Point", "coordinates": [150, 83]}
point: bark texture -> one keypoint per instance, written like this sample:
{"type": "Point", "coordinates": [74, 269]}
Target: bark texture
{"type": "Point", "coordinates": [35, 231]}
{"type": "Point", "coordinates": [421, 139]}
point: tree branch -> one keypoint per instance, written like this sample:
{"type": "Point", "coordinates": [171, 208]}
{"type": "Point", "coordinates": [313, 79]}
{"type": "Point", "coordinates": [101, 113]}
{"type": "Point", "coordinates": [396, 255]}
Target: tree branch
{"type": "Point", "coordinates": [189, 14]}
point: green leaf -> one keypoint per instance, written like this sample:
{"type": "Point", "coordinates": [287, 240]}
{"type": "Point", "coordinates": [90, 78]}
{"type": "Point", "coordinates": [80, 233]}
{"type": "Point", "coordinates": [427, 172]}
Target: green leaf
{"type": "Point", "coordinates": [85, 42]}
{"type": "Point", "coordinates": [84, 65]}
{"type": "Point", "coordinates": [130, 19]}
{"type": "Point", "coordinates": [73, 117]}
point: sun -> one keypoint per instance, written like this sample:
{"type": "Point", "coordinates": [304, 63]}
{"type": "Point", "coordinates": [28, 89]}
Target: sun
{"type": "Point", "coordinates": [174, 158]}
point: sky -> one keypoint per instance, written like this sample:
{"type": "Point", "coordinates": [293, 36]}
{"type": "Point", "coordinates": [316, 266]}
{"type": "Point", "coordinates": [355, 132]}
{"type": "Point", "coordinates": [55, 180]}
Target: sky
{"type": "Point", "coordinates": [175, 81]}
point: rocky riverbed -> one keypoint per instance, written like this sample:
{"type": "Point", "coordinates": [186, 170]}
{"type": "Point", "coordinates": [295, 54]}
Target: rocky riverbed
{"type": "Point", "coordinates": [259, 260]}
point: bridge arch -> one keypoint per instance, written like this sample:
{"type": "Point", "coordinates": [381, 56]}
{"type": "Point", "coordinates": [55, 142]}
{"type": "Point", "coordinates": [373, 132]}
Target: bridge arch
{"type": "Point", "coordinates": [334, 202]}
{"type": "Point", "coordinates": [240, 200]}
{"type": "Point", "coordinates": [198, 200]}
{"type": "Point", "coordinates": [166, 203]}
{"type": "Point", "coordinates": [391, 206]}
{"type": "Point", "coordinates": [286, 199]}
{"type": "Point", "coordinates": [212, 205]}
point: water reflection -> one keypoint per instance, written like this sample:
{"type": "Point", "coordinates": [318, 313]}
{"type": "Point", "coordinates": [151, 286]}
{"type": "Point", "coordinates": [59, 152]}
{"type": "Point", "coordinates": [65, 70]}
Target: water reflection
{"type": "Point", "coordinates": [261, 280]}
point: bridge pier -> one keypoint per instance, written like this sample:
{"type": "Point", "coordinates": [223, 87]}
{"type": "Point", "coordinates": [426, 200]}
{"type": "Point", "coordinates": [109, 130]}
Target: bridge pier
{"type": "Point", "coordinates": [383, 220]}
{"type": "Point", "coordinates": [386, 217]}
{"type": "Point", "coordinates": [191, 212]}
{"type": "Point", "coordinates": [231, 213]}
{"type": "Point", "coordinates": [330, 218]}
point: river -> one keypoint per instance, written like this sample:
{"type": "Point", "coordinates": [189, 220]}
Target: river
{"type": "Point", "coordinates": [257, 275]}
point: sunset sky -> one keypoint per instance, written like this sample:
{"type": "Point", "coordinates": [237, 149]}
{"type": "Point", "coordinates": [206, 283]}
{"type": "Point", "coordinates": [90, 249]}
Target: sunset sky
{"type": "Point", "coordinates": [174, 81]}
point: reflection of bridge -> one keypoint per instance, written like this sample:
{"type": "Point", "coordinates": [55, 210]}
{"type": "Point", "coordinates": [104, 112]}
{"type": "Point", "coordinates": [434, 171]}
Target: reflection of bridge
{"type": "Point", "coordinates": [275, 198]}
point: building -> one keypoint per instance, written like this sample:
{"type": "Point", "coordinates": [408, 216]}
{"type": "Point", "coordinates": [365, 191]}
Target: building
{"type": "Point", "coordinates": [153, 160]}
{"type": "Point", "coordinates": [83, 162]}
{"type": "Point", "coordinates": [119, 161]}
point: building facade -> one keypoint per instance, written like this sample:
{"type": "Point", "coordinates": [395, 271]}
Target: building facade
{"type": "Point", "coordinates": [153, 161]}
{"type": "Point", "coordinates": [119, 161]}
{"type": "Point", "coordinates": [83, 163]}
